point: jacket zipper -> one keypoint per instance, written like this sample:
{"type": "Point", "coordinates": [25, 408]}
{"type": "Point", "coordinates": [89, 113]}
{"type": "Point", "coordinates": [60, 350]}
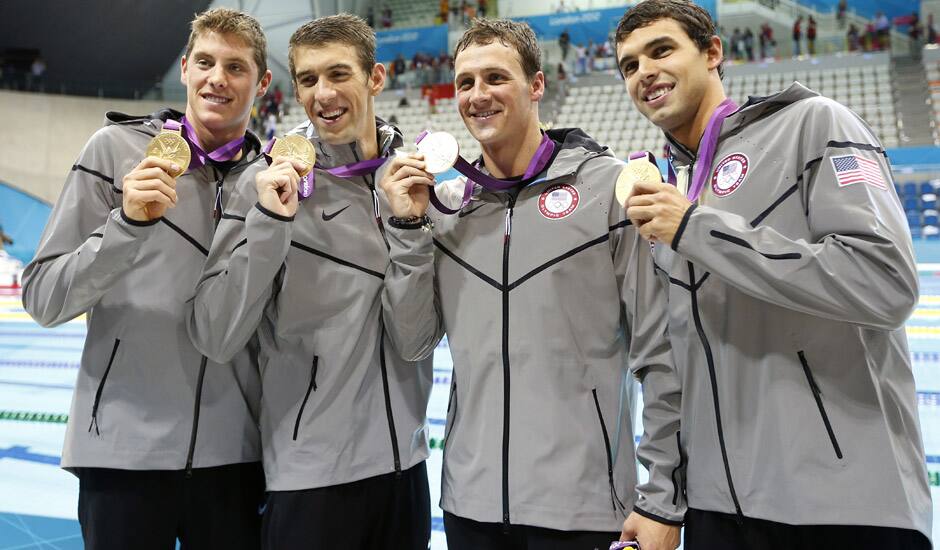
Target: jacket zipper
{"type": "Point", "coordinates": [388, 403]}
{"type": "Point", "coordinates": [675, 481]}
{"type": "Point", "coordinates": [505, 291]}
{"type": "Point", "coordinates": [192, 436]}
{"type": "Point", "coordinates": [107, 370]}
{"type": "Point", "coordinates": [714, 383]}
{"type": "Point", "coordinates": [451, 402]}
{"type": "Point", "coordinates": [615, 502]}
{"type": "Point", "coordinates": [376, 210]}
{"type": "Point", "coordinates": [817, 395]}
{"type": "Point", "coordinates": [216, 218]}
{"type": "Point", "coordinates": [312, 386]}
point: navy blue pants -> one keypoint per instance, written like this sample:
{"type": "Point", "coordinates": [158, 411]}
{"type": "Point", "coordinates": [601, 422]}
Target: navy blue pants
{"type": "Point", "coordinates": [213, 509]}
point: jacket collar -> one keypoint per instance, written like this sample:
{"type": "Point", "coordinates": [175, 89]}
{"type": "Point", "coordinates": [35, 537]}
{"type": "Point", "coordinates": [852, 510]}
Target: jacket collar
{"type": "Point", "coordinates": [388, 138]}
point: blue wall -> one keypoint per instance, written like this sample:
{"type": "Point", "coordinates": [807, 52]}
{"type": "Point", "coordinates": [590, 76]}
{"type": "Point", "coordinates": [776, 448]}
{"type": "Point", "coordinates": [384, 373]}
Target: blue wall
{"type": "Point", "coordinates": [408, 42]}
{"type": "Point", "coordinates": [23, 218]}
{"type": "Point", "coordinates": [868, 8]}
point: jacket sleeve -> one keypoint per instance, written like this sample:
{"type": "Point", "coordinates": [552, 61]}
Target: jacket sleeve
{"type": "Point", "coordinates": [87, 244]}
{"type": "Point", "coordinates": [247, 253]}
{"type": "Point", "coordinates": [858, 264]}
{"type": "Point", "coordinates": [410, 302]}
{"type": "Point", "coordinates": [650, 360]}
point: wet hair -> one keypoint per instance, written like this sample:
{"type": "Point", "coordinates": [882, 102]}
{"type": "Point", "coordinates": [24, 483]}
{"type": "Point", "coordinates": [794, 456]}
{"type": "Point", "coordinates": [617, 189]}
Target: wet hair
{"type": "Point", "coordinates": [346, 29]}
{"type": "Point", "coordinates": [512, 34]}
{"type": "Point", "coordinates": [698, 24]}
{"type": "Point", "coordinates": [235, 23]}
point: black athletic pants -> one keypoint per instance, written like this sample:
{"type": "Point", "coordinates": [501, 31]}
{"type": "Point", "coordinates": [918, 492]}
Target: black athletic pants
{"type": "Point", "coordinates": [466, 534]}
{"type": "Point", "coordinates": [214, 508]}
{"type": "Point", "coordinates": [382, 513]}
{"type": "Point", "coordinates": [713, 530]}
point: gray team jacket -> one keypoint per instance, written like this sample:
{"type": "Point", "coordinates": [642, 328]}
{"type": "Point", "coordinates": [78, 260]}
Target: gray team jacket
{"type": "Point", "coordinates": [538, 294]}
{"type": "Point", "coordinates": [788, 290]}
{"type": "Point", "coordinates": [145, 398]}
{"type": "Point", "coordinates": [339, 402]}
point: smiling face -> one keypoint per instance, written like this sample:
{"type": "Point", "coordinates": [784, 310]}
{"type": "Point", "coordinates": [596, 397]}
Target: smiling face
{"type": "Point", "coordinates": [222, 82]}
{"type": "Point", "coordinates": [336, 92]}
{"type": "Point", "coordinates": [495, 99]}
{"type": "Point", "coordinates": [671, 81]}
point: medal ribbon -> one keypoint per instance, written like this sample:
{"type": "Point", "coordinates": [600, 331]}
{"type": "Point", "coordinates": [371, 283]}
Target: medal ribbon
{"type": "Point", "coordinates": [706, 150]}
{"type": "Point", "coordinates": [346, 171]}
{"type": "Point", "coordinates": [224, 153]}
{"type": "Point", "coordinates": [474, 176]}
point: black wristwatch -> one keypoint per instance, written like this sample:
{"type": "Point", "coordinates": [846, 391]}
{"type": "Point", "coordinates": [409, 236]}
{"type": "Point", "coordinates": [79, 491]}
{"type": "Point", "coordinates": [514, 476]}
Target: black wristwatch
{"type": "Point", "coordinates": [412, 222]}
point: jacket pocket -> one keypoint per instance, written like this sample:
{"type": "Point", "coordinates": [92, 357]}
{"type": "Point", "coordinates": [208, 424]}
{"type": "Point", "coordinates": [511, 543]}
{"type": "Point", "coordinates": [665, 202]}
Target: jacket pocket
{"type": "Point", "coordinates": [107, 371]}
{"type": "Point", "coordinates": [312, 386]}
{"type": "Point", "coordinates": [817, 395]}
{"type": "Point", "coordinates": [615, 501]}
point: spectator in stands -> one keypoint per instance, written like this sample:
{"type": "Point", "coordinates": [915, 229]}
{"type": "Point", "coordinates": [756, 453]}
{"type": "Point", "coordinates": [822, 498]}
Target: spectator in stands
{"type": "Point", "coordinates": [164, 442]}
{"type": "Point", "coordinates": [773, 429]}
{"type": "Point", "coordinates": [343, 413]}
{"type": "Point", "coordinates": [564, 42]}
{"type": "Point", "coordinates": [736, 44]}
{"type": "Point", "coordinates": [581, 57]}
{"type": "Point", "coordinates": [370, 16]}
{"type": "Point", "coordinates": [481, 8]}
{"type": "Point", "coordinates": [797, 35]}
{"type": "Point", "coordinates": [882, 31]}
{"type": "Point", "coordinates": [853, 39]}
{"type": "Point", "coordinates": [811, 36]}
{"type": "Point", "coordinates": [37, 73]}
{"type": "Point", "coordinates": [279, 100]}
{"type": "Point", "coordinates": [270, 125]}
{"type": "Point", "coordinates": [748, 41]}
{"type": "Point", "coordinates": [870, 42]}
{"type": "Point", "coordinates": [443, 9]}
{"type": "Point", "coordinates": [766, 40]}
{"type": "Point", "coordinates": [554, 479]}
{"type": "Point", "coordinates": [841, 10]}
{"type": "Point", "coordinates": [387, 18]}
{"type": "Point", "coordinates": [725, 42]}
{"type": "Point", "coordinates": [931, 30]}
{"type": "Point", "coordinates": [562, 77]}
{"type": "Point", "coordinates": [398, 69]}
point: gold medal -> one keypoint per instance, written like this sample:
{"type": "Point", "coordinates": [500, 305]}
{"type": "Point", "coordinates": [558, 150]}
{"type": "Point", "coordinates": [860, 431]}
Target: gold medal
{"type": "Point", "coordinates": [295, 147]}
{"type": "Point", "coordinates": [634, 171]}
{"type": "Point", "coordinates": [170, 145]}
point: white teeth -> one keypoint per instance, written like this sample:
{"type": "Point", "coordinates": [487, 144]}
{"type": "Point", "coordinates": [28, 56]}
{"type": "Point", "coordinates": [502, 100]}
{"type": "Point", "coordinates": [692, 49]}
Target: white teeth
{"type": "Point", "coordinates": [660, 92]}
{"type": "Point", "coordinates": [332, 114]}
{"type": "Point", "coordinates": [216, 99]}
{"type": "Point", "coordinates": [484, 114]}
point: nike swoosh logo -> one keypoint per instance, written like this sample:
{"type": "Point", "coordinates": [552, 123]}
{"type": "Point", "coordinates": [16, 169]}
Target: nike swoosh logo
{"type": "Point", "coordinates": [328, 217]}
{"type": "Point", "coordinates": [463, 213]}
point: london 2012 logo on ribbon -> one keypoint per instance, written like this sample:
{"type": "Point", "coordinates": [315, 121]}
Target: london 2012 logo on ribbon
{"type": "Point", "coordinates": [729, 174]}
{"type": "Point", "coordinates": [558, 201]}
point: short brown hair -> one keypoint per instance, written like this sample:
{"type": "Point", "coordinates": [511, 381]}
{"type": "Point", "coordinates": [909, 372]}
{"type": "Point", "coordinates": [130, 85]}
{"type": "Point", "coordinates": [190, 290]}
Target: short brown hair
{"type": "Point", "coordinates": [350, 30]}
{"type": "Point", "coordinates": [512, 34]}
{"type": "Point", "coordinates": [698, 24]}
{"type": "Point", "coordinates": [234, 22]}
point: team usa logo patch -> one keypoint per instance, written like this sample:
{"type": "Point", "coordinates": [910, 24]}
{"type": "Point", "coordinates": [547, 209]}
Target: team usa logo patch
{"type": "Point", "coordinates": [558, 201]}
{"type": "Point", "coordinates": [729, 174]}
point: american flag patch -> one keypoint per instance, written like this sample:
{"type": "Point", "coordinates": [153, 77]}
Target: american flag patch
{"type": "Point", "coordinates": [852, 169]}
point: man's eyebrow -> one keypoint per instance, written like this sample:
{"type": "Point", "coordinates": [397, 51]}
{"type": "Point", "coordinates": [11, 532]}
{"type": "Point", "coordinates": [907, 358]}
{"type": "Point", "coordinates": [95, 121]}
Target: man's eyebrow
{"type": "Point", "coordinates": [493, 69]}
{"type": "Point", "coordinates": [334, 66]}
{"type": "Point", "coordinates": [658, 41]}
